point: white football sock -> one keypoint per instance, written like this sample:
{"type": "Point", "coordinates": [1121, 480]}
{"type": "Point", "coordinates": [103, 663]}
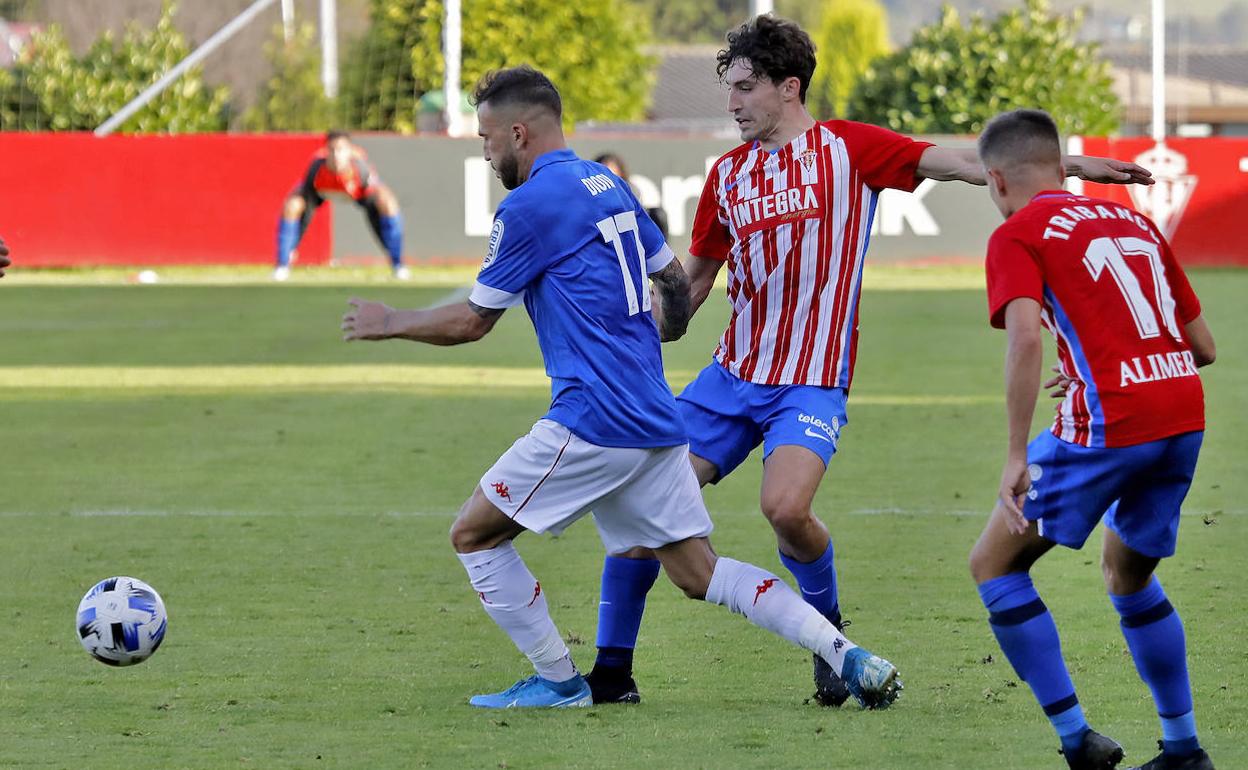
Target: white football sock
{"type": "Point", "coordinates": [767, 601]}
{"type": "Point", "coordinates": [515, 600]}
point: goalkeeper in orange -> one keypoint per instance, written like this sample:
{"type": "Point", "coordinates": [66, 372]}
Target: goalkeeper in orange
{"type": "Point", "coordinates": [340, 168]}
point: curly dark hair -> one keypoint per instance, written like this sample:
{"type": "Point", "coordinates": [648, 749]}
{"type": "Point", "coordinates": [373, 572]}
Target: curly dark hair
{"type": "Point", "coordinates": [775, 49]}
{"type": "Point", "coordinates": [518, 85]}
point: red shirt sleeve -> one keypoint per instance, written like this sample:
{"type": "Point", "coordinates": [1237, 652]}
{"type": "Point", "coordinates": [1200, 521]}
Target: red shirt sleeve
{"type": "Point", "coordinates": [711, 237]}
{"type": "Point", "coordinates": [886, 159]}
{"type": "Point", "coordinates": [1013, 271]}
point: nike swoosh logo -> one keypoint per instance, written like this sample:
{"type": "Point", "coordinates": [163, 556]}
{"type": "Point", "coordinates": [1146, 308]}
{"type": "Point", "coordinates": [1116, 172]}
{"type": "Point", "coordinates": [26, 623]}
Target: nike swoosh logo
{"type": "Point", "coordinates": [601, 604]}
{"type": "Point", "coordinates": [813, 434]}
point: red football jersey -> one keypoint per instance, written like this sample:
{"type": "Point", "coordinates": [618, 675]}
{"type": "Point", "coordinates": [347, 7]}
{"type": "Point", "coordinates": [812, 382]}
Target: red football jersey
{"type": "Point", "coordinates": [793, 226]}
{"type": "Point", "coordinates": [356, 181]}
{"type": "Point", "coordinates": [1116, 301]}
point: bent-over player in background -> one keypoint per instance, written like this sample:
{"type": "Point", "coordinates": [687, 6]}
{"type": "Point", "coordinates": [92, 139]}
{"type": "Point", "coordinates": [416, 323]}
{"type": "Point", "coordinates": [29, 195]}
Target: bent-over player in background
{"type": "Point", "coordinates": [340, 168]}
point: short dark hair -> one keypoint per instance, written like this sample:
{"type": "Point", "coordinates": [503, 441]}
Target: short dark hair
{"type": "Point", "coordinates": [1020, 137]}
{"type": "Point", "coordinates": [336, 133]}
{"type": "Point", "coordinates": [609, 158]}
{"type": "Point", "coordinates": [518, 85]}
{"type": "Point", "coordinates": [775, 48]}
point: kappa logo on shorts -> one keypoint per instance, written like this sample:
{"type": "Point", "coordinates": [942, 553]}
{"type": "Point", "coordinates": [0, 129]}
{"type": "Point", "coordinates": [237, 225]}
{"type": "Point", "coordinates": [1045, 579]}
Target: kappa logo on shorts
{"type": "Point", "coordinates": [500, 489]}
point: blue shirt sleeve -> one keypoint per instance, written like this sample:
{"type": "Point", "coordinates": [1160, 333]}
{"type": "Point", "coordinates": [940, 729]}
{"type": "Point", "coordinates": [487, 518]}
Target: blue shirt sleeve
{"type": "Point", "coordinates": [514, 260]}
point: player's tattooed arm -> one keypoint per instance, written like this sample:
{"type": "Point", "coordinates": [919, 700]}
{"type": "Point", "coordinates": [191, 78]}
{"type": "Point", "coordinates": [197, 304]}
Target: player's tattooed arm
{"type": "Point", "coordinates": [490, 314]}
{"type": "Point", "coordinates": [670, 302]}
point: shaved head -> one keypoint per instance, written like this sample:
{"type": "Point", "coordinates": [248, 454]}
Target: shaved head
{"type": "Point", "coordinates": [522, 87]}
{"type": "Point", "coordinates": [1018, 139]}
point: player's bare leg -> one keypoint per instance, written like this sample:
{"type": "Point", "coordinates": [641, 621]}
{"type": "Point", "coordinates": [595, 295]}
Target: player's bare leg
{"type": "Point", "coordinates": [1158, 644]}
{"type": "Point", "coordinates": [1000, 563]}
{"type": "Point", "coordinates": [768, 602]}
{"type": "Point", "coordinates": [999, 551]}
{"type": "Point", "coordinates": [791, 477]}
{"type": "Point", "coordinates": [482, 537]}
{"type": "Point", "coordinates": [1125, 571]}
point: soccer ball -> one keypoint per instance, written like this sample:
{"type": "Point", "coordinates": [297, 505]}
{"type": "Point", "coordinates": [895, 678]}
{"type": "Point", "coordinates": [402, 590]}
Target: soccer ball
{"type": "Point", "coordinates": [121, 621]}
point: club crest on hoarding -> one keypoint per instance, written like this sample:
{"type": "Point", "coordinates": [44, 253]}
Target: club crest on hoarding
{"type": "Point", "coordinates": [1165, 201]}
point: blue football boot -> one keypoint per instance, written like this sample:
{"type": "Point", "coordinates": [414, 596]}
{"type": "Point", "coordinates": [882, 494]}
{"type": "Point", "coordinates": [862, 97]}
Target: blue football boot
{"type": "Point", "coordinates": [536, 692]}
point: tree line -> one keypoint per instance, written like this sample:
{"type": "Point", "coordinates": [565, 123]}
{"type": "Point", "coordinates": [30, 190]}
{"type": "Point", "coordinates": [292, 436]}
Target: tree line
{"type": "Point", "coordinates": [950, 77]}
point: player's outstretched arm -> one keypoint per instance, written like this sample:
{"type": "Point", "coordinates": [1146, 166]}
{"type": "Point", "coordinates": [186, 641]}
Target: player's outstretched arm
{"type": "Point", "coordinates": [673, 308]}
{"type": "Point", "coordinates": [445, 325]}
{"type": "Point", "coordinates": [947, 165]}
{"type": "Point", "coordinates": [1023, 359]}
{"type": "Point", "coordinates": [1106, 170]}
{"type": "Point", "coordinates": [4, 257]}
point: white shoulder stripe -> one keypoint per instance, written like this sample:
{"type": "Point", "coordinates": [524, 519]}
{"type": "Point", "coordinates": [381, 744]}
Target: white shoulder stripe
{"type": "Point", "coordinates": [660, 259]}
{"type": "Point", "coordinates": [497, 299]}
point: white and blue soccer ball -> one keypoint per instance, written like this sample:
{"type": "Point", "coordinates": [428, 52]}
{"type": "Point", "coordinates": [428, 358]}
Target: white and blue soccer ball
{"type": "Point", "coordinates": [121, 621]}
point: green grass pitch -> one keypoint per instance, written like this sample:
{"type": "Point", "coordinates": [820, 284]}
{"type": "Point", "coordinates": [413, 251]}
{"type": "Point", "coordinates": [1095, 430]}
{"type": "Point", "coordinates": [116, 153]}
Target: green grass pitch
{"type": "Point", "coordinates": [289, 495]}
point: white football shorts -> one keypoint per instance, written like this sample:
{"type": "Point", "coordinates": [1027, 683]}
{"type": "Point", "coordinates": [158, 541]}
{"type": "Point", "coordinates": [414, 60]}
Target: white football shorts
{"type": "Point", "coordinates": [638, 497]}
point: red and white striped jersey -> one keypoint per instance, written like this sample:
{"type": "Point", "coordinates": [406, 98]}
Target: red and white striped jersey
{"type": "Point", "coordinates": [793, 226]}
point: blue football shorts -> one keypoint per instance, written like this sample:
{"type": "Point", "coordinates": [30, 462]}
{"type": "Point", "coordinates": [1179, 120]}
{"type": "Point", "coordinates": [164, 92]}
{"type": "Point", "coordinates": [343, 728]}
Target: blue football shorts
{"type": "Point", "coordinates": [1137, 489]}
{"type": "Point", "coordinates": [727, 417]}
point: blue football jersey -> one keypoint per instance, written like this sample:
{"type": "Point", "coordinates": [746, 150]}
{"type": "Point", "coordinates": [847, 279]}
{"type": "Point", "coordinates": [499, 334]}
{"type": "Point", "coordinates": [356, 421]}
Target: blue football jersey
{"type": "Point", "coordinates": [574, 244]}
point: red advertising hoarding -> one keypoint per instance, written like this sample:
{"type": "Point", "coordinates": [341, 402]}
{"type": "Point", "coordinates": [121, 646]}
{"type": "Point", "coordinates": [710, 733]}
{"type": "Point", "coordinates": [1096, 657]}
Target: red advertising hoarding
{"type": "Point", "coordinates": [77, 199]}
{"type": "Point", "coordinates": [1200, 200]}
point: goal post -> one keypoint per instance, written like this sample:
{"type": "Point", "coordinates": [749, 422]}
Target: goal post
{"type": "Point", "coordinates": [194, 57]}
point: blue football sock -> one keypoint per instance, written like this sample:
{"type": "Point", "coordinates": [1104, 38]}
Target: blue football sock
{"type": "Point", "coordinates": [287, 239]}
{"type": "Point", "coordinates": [625, 583]}
{"type": "Point", "coordinates": [817, 581]}
{"type": "Point", "coordinates": [1155, 637]}
{"type": "Point", "coordinates": [390, 229]}
{"type": "Point", "coordinates": [1028, 637]}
